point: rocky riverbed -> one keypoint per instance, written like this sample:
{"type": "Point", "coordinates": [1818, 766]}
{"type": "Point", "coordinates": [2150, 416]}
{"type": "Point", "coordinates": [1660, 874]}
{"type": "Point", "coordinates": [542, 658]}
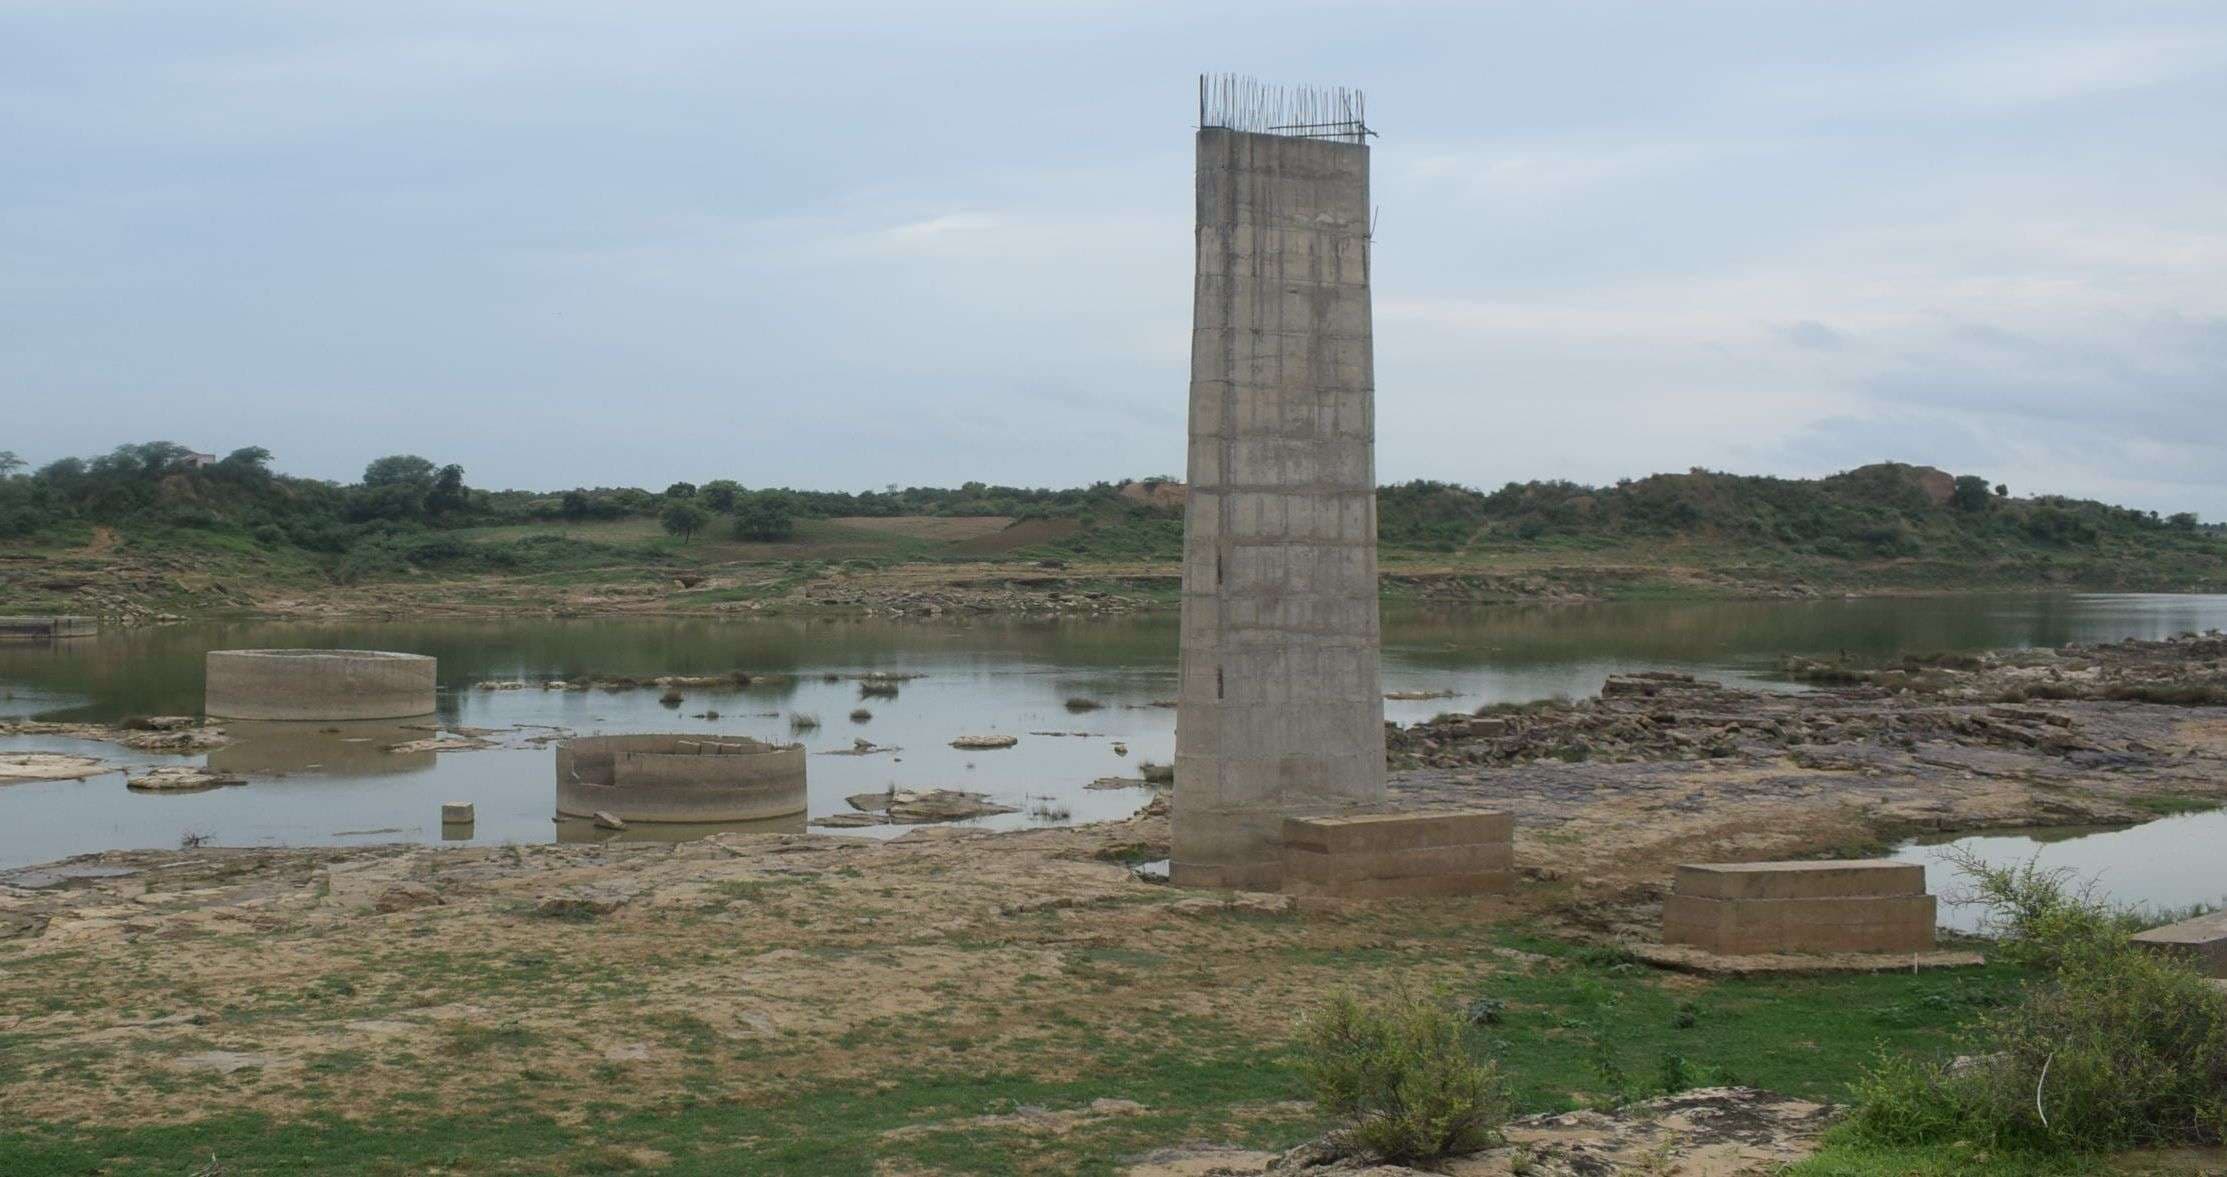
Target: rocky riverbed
{"type": "Point", "coordinates": [526, 980]}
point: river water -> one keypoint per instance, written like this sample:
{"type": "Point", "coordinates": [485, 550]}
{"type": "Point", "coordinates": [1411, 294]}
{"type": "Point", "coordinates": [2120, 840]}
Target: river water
{"type": "Point", "coordinates": [2161, 865]}
{"type": "Point", "coordinates": [978, 677]}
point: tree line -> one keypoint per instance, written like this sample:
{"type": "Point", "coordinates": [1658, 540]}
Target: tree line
{"type": "Point", "coordinates": [161, 484]}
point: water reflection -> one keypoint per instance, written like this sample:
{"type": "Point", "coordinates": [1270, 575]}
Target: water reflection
{"type": "Point", "coordinates": [577, 829]}
{"type": "Point", "coordinates": [980, 676]}
{"type": "Point", "coordinates": [354, 749]}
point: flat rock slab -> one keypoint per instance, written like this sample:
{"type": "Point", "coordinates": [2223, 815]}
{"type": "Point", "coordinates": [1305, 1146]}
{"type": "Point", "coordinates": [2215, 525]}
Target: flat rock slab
{"type": "Point", "coordinates": [50, 766]}
{"type": "Point", "coordinates": [181, 778]}
{"type": "Point", "coordinates": [225, 1062]}
{"type": "Point", "coordinates": [1705, 1132]}
{"type": "Point", "coordinates": [1686, 959]}
{"type": "Point", "coordinates": [906, 807]}
{"type": "Point", "coordinates": [54, 878]}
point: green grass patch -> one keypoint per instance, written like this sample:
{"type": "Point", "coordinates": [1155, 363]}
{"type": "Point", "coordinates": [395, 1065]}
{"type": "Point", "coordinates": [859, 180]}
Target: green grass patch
{"type": "Point", "coordinates": [2173, 804]}
{"type": "Point", "coordinates": [1584, 1025]}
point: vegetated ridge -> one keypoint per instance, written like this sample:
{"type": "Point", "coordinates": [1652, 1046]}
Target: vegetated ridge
{"type": "Point", "coordinates": [154, 528]}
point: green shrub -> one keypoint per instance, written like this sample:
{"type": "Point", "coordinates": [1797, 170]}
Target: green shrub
{"type": "Point", "coordinates": [1403, 1074]}
{"type": "Point", "coordinates": [764, 518]}
{"type": "Point", "coordinates": [2111, 1048]}
{"type": "Point", "coordinates": [683, 519]}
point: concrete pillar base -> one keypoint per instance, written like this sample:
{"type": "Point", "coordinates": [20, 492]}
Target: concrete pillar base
{"type": "Point", "coordinates": [1865, 905]}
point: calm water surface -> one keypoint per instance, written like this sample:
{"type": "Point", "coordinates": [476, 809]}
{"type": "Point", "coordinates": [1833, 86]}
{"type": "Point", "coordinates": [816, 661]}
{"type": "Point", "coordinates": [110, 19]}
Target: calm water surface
{"type": "Point", "coordinates": [2168, 863]}
{"type": "Point", "coordinates": [977, 677]}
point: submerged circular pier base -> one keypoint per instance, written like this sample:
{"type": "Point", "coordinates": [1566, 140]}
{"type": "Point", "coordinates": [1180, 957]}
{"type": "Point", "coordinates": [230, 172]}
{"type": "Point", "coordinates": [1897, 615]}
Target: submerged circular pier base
{"type": "Point", "coordinates": [317, 684]}
{"type": "Point", "coordinates": [671, 778]}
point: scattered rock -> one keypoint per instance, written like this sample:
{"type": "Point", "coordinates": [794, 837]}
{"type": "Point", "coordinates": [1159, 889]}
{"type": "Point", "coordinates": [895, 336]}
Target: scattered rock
{"type": "Point", "coordinates": [913, 807]}
{"type": "Point", "coordinates": [181, 778]}
{"type": "Point", "coordinates": [579, 905]}
{"type": "Point", "coordinates": [445, 742]}
{"type": "Point", "coordinates": [1201, 1160]}
{"type": "Point", "coordinates": [158, 723]}
{"type": "Point", "coordinates": [974, 742]}
{"type": "Point", "coordinates": [859, 747]}
{"type": "Point", "coordinates": [1707, 1132]}
{"type": "Point", "coordinates": [225, 1062]}
{"type": "Point", "coordinates": [606, 820]}
{"type": "Point", "coordinates": [192, 739]}
{"type": "Point", "coordinates": [1257, 904]}
{"type": "Point", "coordinates": [1685, 958]}
{"type": "Point", "coordinates": [50, 766]}
{"type": "Point", "coordinates": [406, 897]}
{"type": "Point", "coordinates": [64, 875]}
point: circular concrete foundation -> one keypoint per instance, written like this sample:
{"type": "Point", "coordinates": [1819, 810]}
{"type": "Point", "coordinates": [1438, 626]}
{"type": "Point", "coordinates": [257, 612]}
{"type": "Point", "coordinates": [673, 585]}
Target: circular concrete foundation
{"type": "Point", "coordinates": [317, 684]}
{"type": "Point", "coordinates": [670, 778]}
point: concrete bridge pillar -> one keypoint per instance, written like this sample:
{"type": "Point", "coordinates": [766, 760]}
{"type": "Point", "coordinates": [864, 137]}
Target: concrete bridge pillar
{"type": "Point", "coordinates": [1281, 710]}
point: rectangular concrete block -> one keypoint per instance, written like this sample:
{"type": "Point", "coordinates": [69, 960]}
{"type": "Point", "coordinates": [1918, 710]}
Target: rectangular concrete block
{"type": "Point", "coordinates": [1391, 855]}
{"type": "Point", "coordinates": [1316, 866]}
{"type": "Point", "coordinates": [1801, 880]}
{"type": "Point", "coordinates": [1875, 923]}
{"type": "Point", "coordinates": [2202, 942]}
{"type": "Point", "coordinates": [1377, 832]}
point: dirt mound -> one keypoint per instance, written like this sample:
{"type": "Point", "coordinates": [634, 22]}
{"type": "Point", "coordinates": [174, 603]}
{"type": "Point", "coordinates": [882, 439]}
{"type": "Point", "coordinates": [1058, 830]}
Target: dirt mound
{"type": "Point", "coordinates": [1155, 494]}
{"type": "Point", "coordinates": [1023, 534]}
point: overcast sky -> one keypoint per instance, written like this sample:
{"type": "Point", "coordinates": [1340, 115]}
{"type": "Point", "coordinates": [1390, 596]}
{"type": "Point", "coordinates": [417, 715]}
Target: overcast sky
{"type": "Point", "coordinates": [838, 245]}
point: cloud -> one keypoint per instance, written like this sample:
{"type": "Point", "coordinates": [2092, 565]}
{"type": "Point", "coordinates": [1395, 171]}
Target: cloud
{"type": "Point", "coordinates": [857, 242]}
{"type": "Point", "coordinates": [1987, 75]}
{"type": "Point", "coordinates": [2018, 73]}
{"type": "Point", "coordinates": [1814, 335]}
{"type": "Point", "coordinates": [929, 232]}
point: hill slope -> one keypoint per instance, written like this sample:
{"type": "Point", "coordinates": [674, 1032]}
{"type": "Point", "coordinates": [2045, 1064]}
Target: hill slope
{"type": "Point", "coordinates": [150, 528]}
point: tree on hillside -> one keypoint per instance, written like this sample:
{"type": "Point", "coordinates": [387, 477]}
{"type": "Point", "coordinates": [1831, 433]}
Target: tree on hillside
{"type": "Point", "coordinates": [248, 465]}
{"type": "Point", "coordinates": [149, 460]}
{"type": "Point", "coordinates": [575, 505]}
{"type": "Point", "coordinates": [683, 519]}
{"type": "Point", "coordinates": [448, 494]}
{"type": "Point", "coordinates": [1970, 494]}
{"type": "Point", "coordinates": [248, 458]}
{"type": "Point", "coordinates": [2182, 521]}
{"type": "Point", "coordinates": [764, 517]}
{"type": "Point", "coordinates": [9, 463]}
{"type": "Point", "coordinates": [399, 470]}
{"type": "Point", "coordinates": [719, 494]}
{"type": "Point", "coordinates": [681, 490]}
